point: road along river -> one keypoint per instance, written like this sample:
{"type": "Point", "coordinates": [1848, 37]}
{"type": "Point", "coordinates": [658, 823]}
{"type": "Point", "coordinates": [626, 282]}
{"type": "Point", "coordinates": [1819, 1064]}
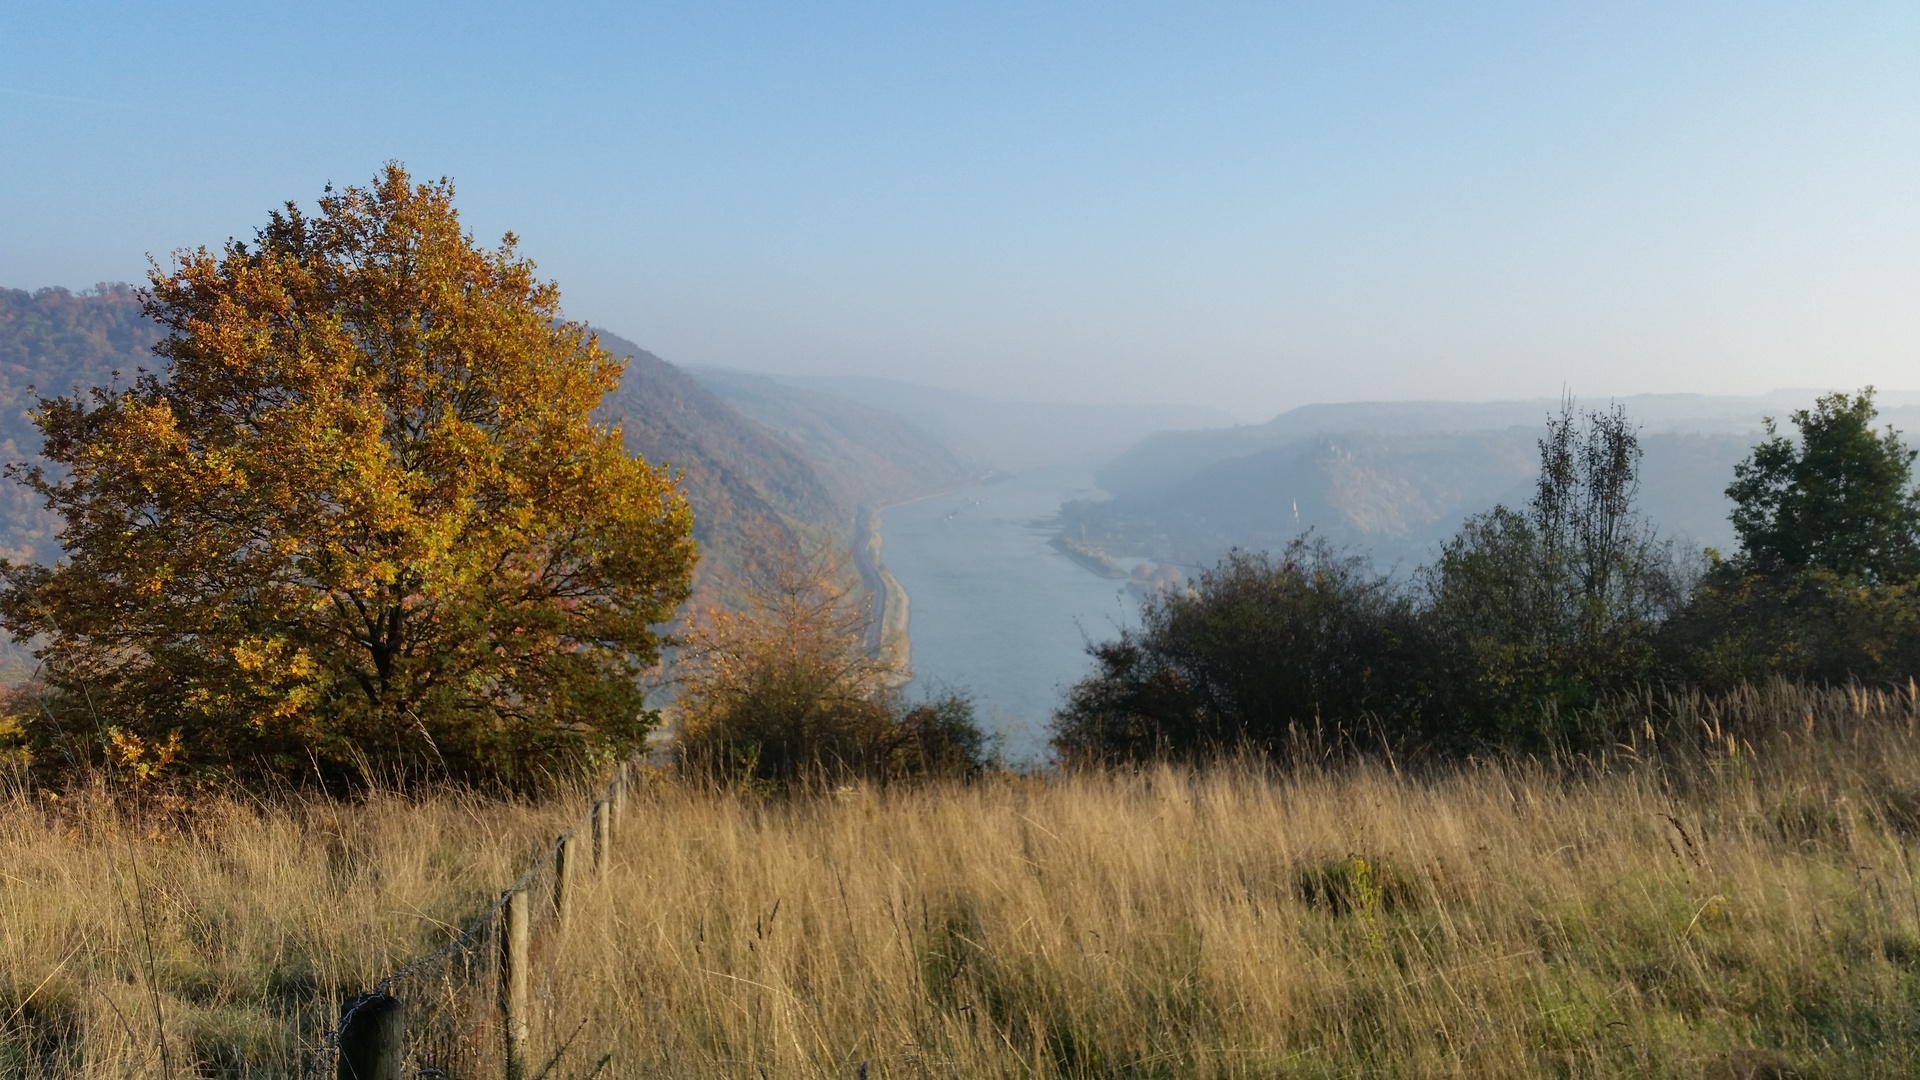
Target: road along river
{"type": "Point", "coordinates": [996, 611]}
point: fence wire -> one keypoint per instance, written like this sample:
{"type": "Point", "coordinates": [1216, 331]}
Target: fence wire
{"type": "Point", "coordinates": [450, 997]}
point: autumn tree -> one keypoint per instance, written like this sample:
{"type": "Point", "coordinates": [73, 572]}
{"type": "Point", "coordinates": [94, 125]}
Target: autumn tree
{"type": "Point", "coordinates": [785, 691]}
{"type": "Point", "coordinates": [359, 516]}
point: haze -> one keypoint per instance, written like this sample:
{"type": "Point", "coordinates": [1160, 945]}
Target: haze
{"type": "Point", "coordinates": [1249, 207]}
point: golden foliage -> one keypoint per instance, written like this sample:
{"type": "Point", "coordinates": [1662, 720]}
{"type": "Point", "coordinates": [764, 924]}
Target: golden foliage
{"type": "Point", "coordinates": [785, 686]}
{"type": "Point", "coordinates": [362, 515]}
{"type": "Point", "coordinates": [788, 690]}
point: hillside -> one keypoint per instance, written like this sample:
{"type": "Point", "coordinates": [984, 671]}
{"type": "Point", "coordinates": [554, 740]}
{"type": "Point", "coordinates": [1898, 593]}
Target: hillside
{"type": "Point", "coordinates": [53, 341]}
{"type": "Point", "coordinates": [989, 434]}
{"type": "Point", "coordinates": [1166, 459]}
{"type": "Point", "coordinates": [1397, 478]}
{"type": "Point", "coordinates": [866, 455]}
{"type": "Point", "coordinates": [748, 484]}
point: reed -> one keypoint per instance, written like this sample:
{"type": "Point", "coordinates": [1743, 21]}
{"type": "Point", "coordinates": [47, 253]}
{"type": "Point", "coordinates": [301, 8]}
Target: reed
{"type": "Point", "coordinates": [1734, 897]}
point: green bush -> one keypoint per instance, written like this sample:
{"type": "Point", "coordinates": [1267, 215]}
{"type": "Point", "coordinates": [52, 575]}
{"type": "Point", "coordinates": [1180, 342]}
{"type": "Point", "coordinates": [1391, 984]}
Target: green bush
{"type": "Point", "coordinates": [1824, 586]}
{"type": "Point", "coordinates": [1261, 648]}
{"type": "Point", "coordinates": [1525, 617]}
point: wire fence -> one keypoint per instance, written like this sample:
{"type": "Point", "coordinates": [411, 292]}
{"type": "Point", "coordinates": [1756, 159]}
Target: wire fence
{"type": "Point", "coordinates": [463, 1009]}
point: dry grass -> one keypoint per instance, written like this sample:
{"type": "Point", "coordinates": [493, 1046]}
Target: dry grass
{"type": "Point", "coordinates": [1732, 912]}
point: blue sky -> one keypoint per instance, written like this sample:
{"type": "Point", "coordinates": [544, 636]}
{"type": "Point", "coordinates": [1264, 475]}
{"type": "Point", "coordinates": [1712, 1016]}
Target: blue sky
{"type": "Point", "coordinates": [1249, 206]}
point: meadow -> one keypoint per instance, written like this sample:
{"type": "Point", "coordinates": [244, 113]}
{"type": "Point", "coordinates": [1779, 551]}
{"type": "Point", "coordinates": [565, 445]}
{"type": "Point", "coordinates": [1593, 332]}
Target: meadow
{"type": "Point", "coordinates": [1728, 892]}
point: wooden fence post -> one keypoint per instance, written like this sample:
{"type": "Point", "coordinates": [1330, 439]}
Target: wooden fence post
{"type": "Point", "coordinates": [372, 1038]}
{"type": "Point", "coordinates": [616, 802]}
{"type": "Point", "coordinates": [602, 838]}
{"type": "Point", "coordinates": [513, 982]}
{"type": "Point", "coordinates": [563, 879]}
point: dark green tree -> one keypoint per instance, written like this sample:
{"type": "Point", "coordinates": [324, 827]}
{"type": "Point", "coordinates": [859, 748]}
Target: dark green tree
{"type": "Point", "coordinates": [1840, 498]}
{"type": "Point", "coordinates": [1265, 646]}
{"type": "Point", "coordinates": [1825, 585]}
{"type": "Point", "coordinates": [1544, 610]}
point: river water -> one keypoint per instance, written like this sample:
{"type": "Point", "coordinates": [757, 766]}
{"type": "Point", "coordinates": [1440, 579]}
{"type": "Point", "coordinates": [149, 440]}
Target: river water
{"type": "Point", "coordinates": [995, 610]}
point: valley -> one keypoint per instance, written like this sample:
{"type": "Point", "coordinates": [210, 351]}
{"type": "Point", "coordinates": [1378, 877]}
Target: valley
{"type": "Point", "coordinates": [996, 538]}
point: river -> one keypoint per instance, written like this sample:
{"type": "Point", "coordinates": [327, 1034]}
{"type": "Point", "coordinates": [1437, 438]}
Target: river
{"type": "Point", "coordinates": [995, 610]}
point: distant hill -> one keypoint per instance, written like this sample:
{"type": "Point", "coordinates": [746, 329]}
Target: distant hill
{"type": "Point", "coordinates": [1393, 496]}
{"type": "Point", "coordinates": [748, 484]}
{"type": "Point", "coordinates": [867, 456]}
{"type": "Point", "coordinates": [54, 341]}
{"type": "Point", "coordinates": [1397, 478]}
{"type": "Point", "coordinates": [1007, 436]}
{"type": "Point", "coordinates": [1167, 458]}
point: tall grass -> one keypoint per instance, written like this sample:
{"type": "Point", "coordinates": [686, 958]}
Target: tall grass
{"type": "Point", "coordinates": [1733, 896]}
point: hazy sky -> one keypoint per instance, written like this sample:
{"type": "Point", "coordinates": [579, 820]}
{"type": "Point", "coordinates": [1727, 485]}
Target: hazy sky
{"type": "Point", "coordinates": [1249, 206]}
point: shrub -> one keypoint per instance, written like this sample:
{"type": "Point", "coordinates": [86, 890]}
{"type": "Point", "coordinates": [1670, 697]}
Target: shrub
{"type": "Point", "coordinates": [1804, 625]}
{"type": "Point", "coordinates": [787, 692]}
{"type": "Point", "coordinates": [1261, 647]}
{"type": "Point", "coordinates": [1524, 617]}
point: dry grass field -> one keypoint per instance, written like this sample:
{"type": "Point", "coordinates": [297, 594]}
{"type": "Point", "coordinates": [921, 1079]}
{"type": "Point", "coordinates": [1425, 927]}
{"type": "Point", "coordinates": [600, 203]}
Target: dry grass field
{"type": "Point", "coordinates": [1735, 898]}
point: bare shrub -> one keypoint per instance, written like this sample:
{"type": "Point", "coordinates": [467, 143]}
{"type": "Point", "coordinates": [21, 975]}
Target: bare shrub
{"type": "Point", "coordinates": [788, 691]}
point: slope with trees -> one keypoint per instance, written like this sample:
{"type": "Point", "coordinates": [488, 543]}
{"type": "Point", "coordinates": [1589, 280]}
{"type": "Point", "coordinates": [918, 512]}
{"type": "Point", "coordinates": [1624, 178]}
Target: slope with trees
{"type": "Point", "coordinates": [52, 341]}
{"type": "Point", "coordinates": [751, 489]}
{"type": "Point", "coordinates": [1399, 478]}
{"type": "Point", "coordinates": [868, 456]}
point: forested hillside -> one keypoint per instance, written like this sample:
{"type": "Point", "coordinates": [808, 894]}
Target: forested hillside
{"type": "Point", "coordinates": [748, 485]}
{"type": "Point", "coordinates": [867, 455]}
{"type": "Point", "coordinates": [54, 340]}
{"type": "Point", "coordinates": [1394, 478]}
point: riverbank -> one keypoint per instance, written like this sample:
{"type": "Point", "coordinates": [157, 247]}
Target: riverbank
{"type": "Point", "coordinates": [997, 612]}
{"type": "Point", "coordinates": [888, 635]}
{"type": "Point", "coordinates": [1091, 557]}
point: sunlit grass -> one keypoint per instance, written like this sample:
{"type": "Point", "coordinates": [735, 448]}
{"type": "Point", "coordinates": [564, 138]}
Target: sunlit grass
{"type": "Point", "coordinates": [1745, 911]}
